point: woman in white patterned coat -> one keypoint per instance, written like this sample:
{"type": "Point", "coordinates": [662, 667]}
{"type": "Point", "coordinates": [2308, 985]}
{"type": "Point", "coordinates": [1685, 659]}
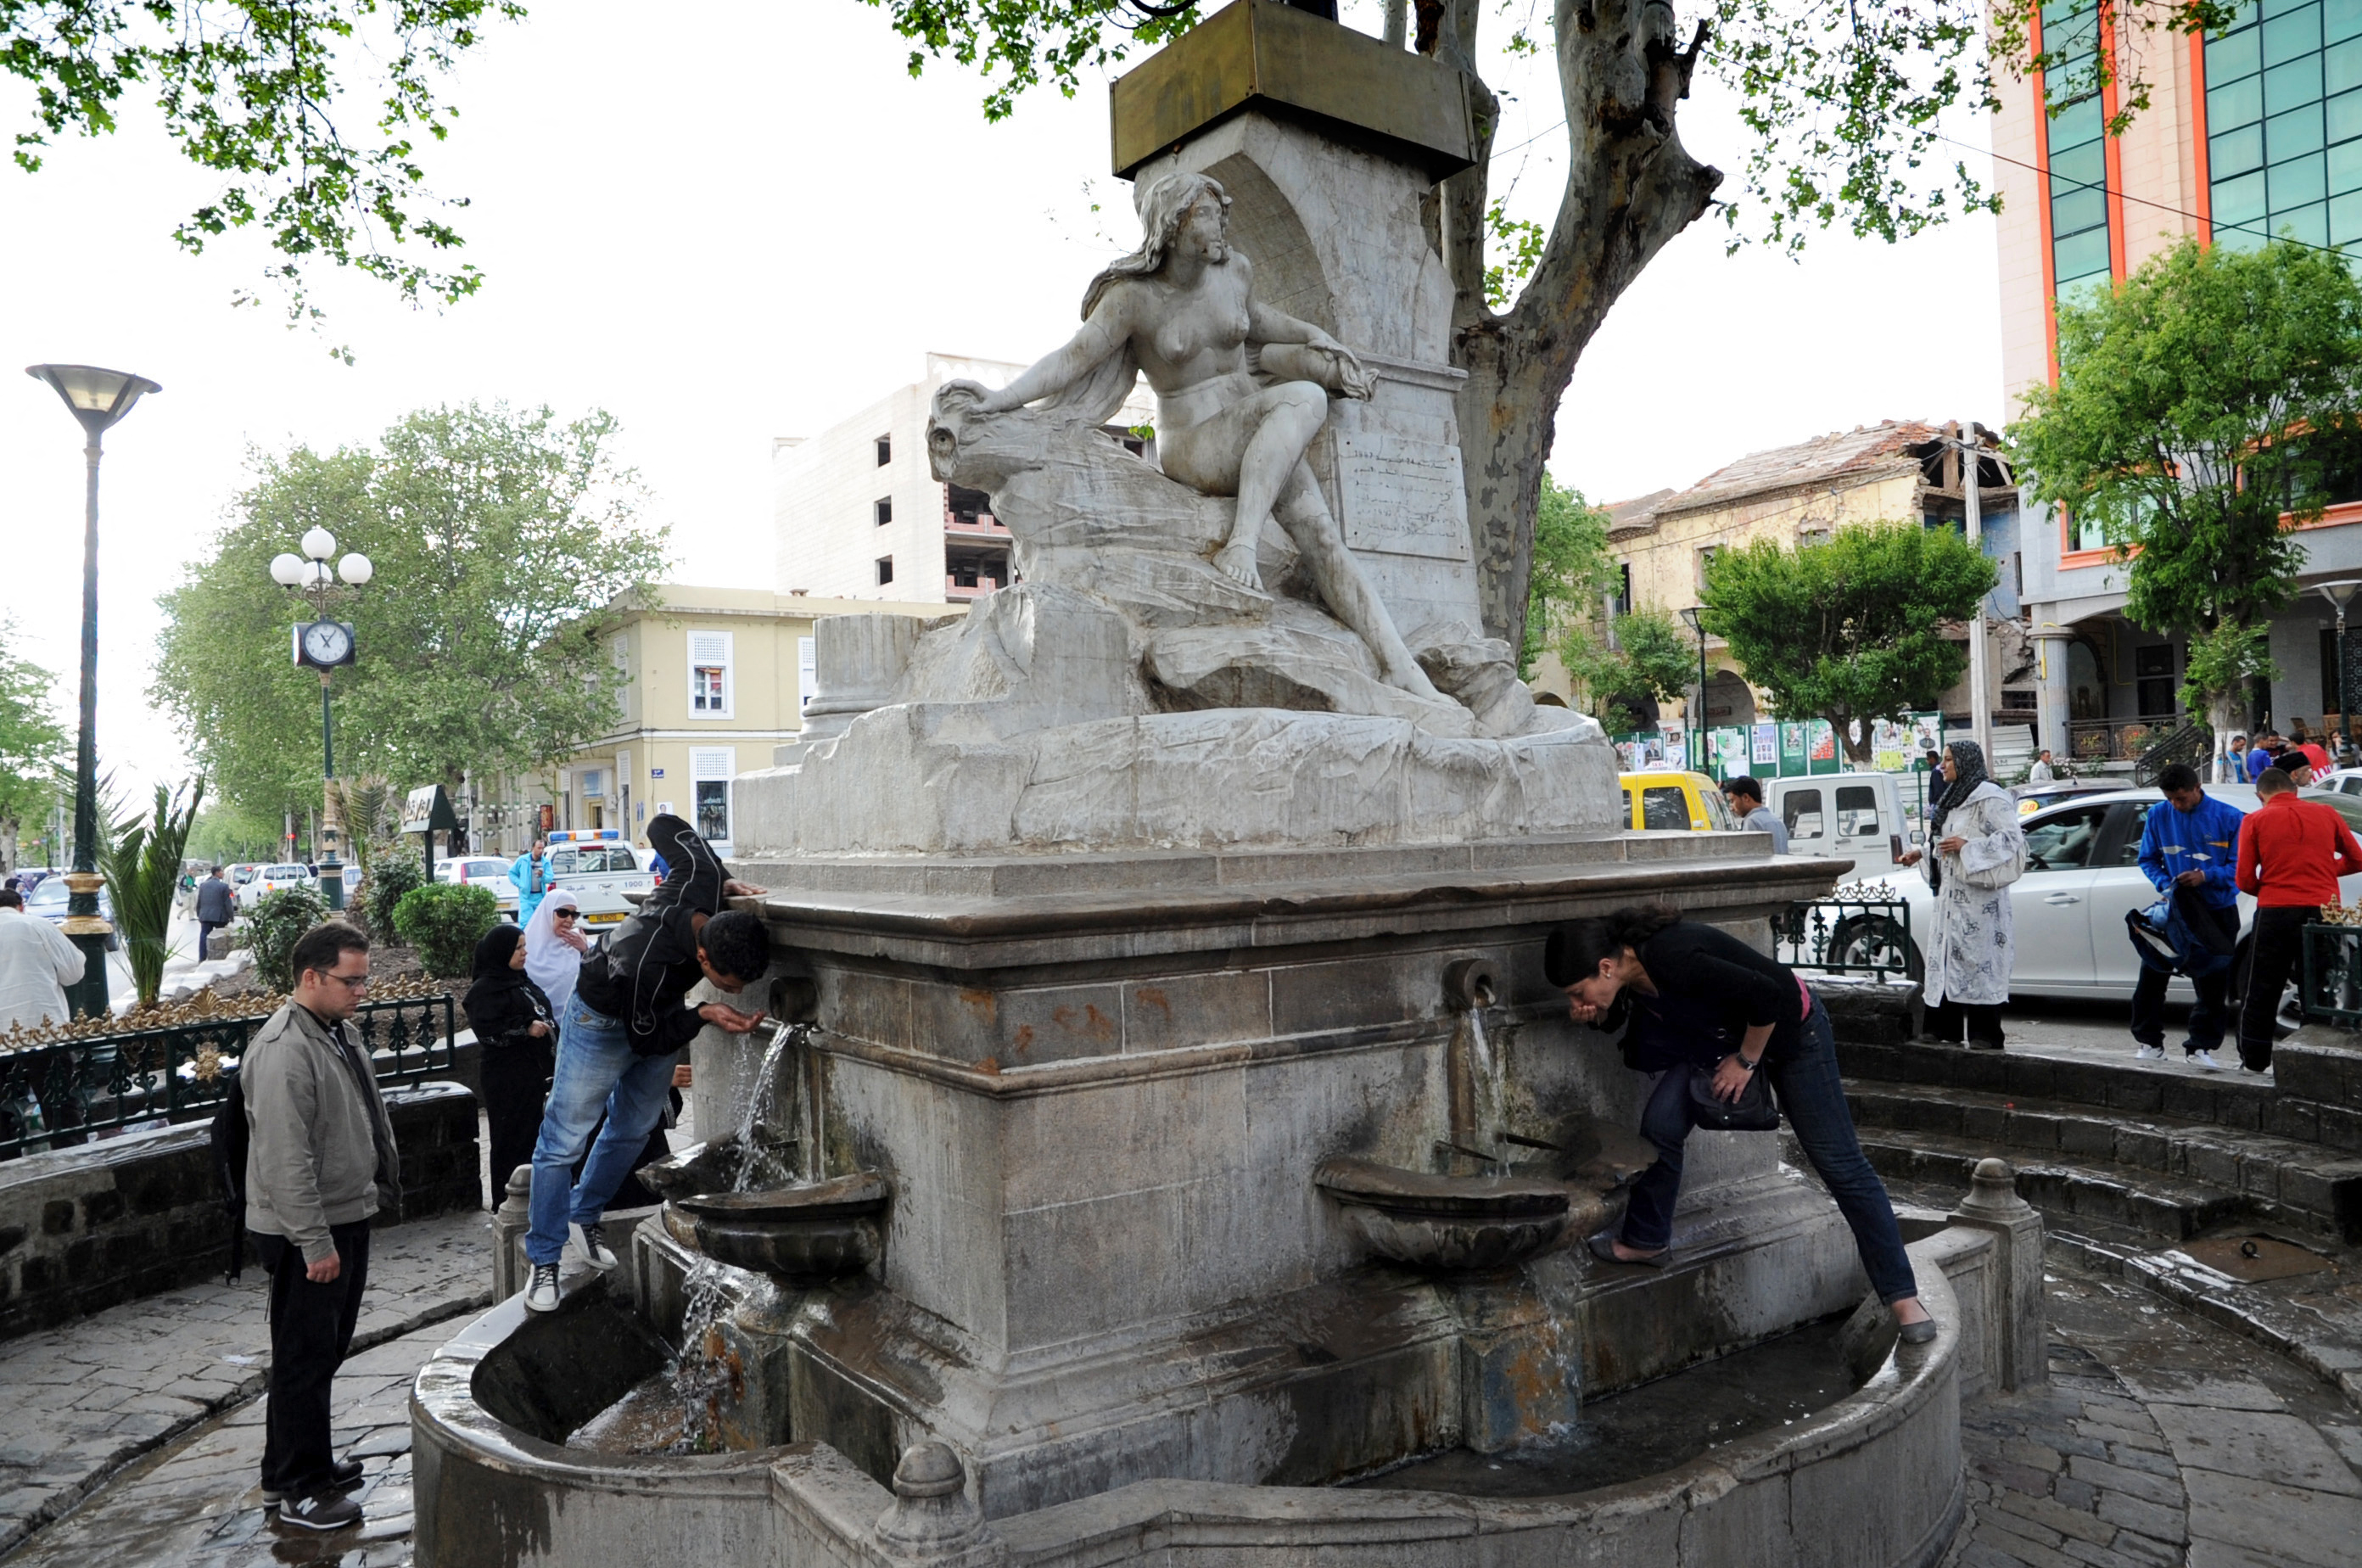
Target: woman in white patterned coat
{"type": "Point", "coordinates": [1971, 826]}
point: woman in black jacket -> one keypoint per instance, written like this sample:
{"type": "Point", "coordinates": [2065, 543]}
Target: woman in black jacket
{"type": "Point", "coordinates": [516, 1039]}
{"type": "Point", "coordinates": [1693, 996]}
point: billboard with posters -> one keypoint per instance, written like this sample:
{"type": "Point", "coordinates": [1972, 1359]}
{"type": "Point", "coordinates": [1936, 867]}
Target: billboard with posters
{"type": "Point", "coordinates": [1765, 746]}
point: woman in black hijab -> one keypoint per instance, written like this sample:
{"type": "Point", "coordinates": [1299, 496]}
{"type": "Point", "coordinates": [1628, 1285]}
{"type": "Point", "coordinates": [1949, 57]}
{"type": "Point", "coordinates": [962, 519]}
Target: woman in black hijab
{"type": "Point", "coordinates": [516, 1037]}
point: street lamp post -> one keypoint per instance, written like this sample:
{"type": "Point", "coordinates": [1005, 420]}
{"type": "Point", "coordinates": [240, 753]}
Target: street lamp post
{"type": "Point", "coordinates": [2339, 594]}
{"type": "Point", "coordinates": [97, 399]}
{"type": "Point", "coordinates": [323, 644]}
{"type": "Point", "coordinates": [1696, 618]}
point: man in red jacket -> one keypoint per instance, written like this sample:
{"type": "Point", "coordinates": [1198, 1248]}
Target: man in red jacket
{"type": "Point", "coordinates": [2292, 853]}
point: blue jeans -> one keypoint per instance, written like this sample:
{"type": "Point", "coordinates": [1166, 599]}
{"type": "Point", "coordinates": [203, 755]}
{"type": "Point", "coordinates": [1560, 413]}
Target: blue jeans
{"type": "Point", "coordinates": [1813, 1100]}
{"type": "Point", "coordinates": [596, 1071]}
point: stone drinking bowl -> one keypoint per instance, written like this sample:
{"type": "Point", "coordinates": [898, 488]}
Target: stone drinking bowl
{"type": "Point", "coordinates": [1444, 1223]}
{"type": "Point", "coordinates": [800, 1236]}
{"type": "Point", "coordinates": [711, 1166]}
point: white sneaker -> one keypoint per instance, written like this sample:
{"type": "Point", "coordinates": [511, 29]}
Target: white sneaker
{"type": "Point", "coordinates": [2206, 1060]}
{"type": "Point", "coordinates": [592, 1239]}
{"type": "Point", "coordinates": [542, 1294]}
{"type": "Point", "coordinates": [2149, 1054]}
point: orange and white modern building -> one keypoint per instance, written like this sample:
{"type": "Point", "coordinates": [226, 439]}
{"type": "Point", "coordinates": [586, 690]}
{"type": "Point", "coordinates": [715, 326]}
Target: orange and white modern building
{"type": "Point", "coordinates": [2250, 136]}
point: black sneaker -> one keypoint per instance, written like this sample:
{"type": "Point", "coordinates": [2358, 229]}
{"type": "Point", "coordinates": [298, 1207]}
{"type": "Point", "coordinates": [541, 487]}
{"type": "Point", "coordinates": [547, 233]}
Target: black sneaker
{"type": "Point", "coordinates": [542, 1294]}
{"type": "Point", "coordinates": [322, 1512]}
{"type": "Point", "coordinates": [343, 1476]}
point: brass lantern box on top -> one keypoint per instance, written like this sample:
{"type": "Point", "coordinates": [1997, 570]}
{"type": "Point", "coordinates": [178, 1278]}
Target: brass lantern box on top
{"type": "Point", "coordinates": [1294, 66]}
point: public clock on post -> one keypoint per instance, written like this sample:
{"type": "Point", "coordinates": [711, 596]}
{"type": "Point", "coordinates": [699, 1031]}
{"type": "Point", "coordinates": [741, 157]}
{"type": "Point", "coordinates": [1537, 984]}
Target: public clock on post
{"type": "Point", "coordinates": [324, 645]}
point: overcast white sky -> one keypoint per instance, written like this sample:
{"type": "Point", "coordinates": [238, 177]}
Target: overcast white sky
{"type": "Point", "coordinates": [749, 221]}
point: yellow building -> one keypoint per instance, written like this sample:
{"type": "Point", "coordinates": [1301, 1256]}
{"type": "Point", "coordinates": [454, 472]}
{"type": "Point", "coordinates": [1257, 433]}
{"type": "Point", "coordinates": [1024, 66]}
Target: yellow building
{"type": "Point", "coordinates": [714, 679]}
{"type": "Point", "coordinates": [1893, 471]}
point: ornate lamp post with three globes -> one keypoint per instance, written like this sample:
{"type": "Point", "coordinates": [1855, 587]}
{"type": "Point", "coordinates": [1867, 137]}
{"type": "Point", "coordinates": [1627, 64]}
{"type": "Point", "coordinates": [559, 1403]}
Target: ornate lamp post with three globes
{"type": "Point", "coordinates": [322, 644]}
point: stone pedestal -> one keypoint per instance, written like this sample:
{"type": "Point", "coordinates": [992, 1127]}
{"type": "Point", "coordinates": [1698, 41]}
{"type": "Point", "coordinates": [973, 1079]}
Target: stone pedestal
{"type": "Point", "coordinates": [1100, 1086]}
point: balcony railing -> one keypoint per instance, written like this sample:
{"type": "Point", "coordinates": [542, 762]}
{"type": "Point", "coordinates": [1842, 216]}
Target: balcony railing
{"type": "Point", "coordinates": [982, 525]}
{"type": "Point", "coordinates": [58, 1088]}
{"type": "Point", "coordinates": [954, 589]}
{"type": "Point", "coordinates": [2117, 740]}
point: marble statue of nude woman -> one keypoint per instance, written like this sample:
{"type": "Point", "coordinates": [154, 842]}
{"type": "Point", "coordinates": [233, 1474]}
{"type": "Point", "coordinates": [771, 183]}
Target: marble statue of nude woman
{"type": "Point", "coordinates": [1182, 310]}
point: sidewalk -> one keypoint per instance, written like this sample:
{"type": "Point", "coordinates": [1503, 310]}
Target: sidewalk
{"type": "Point", "coordinates": [88, 1397]}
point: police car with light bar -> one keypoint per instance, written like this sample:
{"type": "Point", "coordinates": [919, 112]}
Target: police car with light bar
{"type": "Point", "coordinates": [599, 867]}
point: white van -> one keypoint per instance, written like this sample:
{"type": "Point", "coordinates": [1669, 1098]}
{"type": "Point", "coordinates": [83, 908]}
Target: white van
{"type": "Point", "coordinates": [1867, 818]}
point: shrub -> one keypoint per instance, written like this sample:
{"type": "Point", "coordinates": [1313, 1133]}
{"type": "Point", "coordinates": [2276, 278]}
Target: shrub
{"type": "Point", "coordinates": [443, 921]}
{"type": "Point", "coordinates": [272, 929]}
{"type": "Point", "coordinates": [388, 878]}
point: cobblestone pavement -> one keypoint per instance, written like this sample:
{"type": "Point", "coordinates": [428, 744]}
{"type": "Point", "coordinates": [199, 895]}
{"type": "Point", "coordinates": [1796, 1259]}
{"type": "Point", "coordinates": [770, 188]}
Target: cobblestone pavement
{"type": "Point", "coordinates": [2159, 1439]}
{"type": "Point", "coordinates": [87, 1398]}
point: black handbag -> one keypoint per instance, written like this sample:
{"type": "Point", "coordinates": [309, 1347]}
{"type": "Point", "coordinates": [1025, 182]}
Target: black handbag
{"type": "Point", "coordinates": [1752, 1111]}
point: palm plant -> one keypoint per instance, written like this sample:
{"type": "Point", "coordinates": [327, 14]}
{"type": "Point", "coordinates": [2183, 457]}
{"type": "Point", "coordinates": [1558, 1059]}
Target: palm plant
{"type": "Point", "coordinates": [141, 859]}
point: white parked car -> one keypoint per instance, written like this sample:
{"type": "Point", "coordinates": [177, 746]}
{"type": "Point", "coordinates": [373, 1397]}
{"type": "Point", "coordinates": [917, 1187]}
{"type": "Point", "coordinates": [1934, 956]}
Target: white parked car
{"type": "Point", "coordinates": [598, 867]}
{"type": "Point", "coordinates": [483, 871]}
{"type": "Point", "coordinates": [2082, 876]}
{"type": "Point", "coordinates": [271, 879]}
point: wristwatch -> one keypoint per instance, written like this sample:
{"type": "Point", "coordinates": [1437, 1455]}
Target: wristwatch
{"type": "Point", "coordinates": [1744, 1065]}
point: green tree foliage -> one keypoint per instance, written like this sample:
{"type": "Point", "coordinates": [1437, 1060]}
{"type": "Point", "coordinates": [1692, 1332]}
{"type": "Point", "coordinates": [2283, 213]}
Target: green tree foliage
{"type": "Point", "coordinates": [1655, 658]}
{"type": "Point", "coordinates": [310, 111]}
{"type": "Point", "coordinates": [499, 539]}
{"type": "Point", "coordinates": [443, 921]}
{"type": "Point", "coordinates": [1849, 630]}
{"type": "Point", "coordinates": [1572, 568]}
{"type": "Point", "coordinates": [33, 744]}
{"type": "Point", "coordinates": [390, 877]}
{"type": "Point", "coordinates": [273, 928]}
{"type": "Point", "coordinates": [141, 859]}
{"type": "Point", "coordinates": [2196, 405]}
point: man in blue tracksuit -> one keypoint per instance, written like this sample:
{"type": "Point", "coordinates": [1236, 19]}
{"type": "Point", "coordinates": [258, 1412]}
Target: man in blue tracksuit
{"type": "Point", "coordinates": [2190, 850]}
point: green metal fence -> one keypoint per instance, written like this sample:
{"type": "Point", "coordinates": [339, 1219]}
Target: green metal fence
{"type": "Point", "coordinates": [55, 1094]}
{"type": "Point", "coordinates": [1839, 935]}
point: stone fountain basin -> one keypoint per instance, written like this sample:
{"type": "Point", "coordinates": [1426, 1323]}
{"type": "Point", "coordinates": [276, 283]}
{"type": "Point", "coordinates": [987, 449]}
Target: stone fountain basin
{"type": "Point", "coordinates": [711, 1166]}
{"type": "Point", "coordinates": [1446, 1222]}
{"type": "Point", "coordinates": [800, 1236]}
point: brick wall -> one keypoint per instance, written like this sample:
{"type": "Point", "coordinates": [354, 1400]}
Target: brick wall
{"type": "Point", "coordinates": [86, 1227]}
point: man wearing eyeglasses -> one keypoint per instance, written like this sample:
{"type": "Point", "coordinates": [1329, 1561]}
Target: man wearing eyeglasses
{"type": "Point", "coordinates": [319, 1154]}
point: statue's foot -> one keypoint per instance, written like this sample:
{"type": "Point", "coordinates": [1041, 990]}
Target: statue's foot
{"type": "Point", "coordinates": [1236, 561]}
{"type": "Point", "coordinates": [1410, 678]}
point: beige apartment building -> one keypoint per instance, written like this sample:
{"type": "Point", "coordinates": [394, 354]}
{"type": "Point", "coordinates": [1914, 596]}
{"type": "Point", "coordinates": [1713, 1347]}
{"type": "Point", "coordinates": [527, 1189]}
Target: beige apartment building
{"type": "Point", "coordinates": [2248, 137]}
{"type": "Point", "coordinates": [714, 679]}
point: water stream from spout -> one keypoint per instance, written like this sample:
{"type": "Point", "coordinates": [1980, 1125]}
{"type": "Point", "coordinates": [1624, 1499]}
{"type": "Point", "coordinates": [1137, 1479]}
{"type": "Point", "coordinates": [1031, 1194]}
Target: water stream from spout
{"type": "Point", "coordinates": [1489, 1077]}
{"type": "Point", "coordinates": [701, 1373]}
{"type": "Point", "coordinates": [757, 1167]}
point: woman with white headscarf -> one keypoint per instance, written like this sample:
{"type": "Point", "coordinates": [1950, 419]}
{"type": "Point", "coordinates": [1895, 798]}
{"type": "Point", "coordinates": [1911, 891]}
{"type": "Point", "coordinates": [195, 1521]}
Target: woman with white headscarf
{"type": "Point", "coordinates": [1974, 851]}
{"type": "Point", "coordinates": [554, 946]}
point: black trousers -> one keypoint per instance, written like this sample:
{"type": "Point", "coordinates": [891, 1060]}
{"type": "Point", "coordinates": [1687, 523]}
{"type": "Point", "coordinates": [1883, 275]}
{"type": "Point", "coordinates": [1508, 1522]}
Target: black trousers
{"type": "Point", "coordinates": [205, 928]}
{"type": "Point", "coordinates": [2210, 1013]}
{"type": "Point", "coordinates": [311, 1330]}
{"type": "Point", "coordinates": [1980, 1020]}
{"type": "Point", "coordinates": [2272, 952]}
{"type": "Point", "coordinates": [516, 1087]}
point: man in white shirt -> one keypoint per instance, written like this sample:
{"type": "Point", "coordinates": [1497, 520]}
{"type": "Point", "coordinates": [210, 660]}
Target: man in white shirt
{"type": "Point", "coordinates": [2041, 772]}
{"type": "Point", "coordinates": [36, 963]}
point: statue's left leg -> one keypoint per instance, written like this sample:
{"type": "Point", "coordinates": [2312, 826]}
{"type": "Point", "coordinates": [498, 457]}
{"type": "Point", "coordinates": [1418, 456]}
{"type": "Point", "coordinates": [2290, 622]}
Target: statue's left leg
{"type": "Point", "coordinates": [1343, 586]}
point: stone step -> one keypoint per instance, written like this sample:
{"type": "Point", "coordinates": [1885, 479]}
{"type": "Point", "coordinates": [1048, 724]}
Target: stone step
{"type": "Point", "coordinates": [2151, 1202]}
{"type": "Point", "coordinates": [2317, 1187]}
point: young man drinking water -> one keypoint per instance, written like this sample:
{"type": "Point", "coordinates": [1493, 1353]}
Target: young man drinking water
{"type": "Point", "coordinates": [620, 1036]}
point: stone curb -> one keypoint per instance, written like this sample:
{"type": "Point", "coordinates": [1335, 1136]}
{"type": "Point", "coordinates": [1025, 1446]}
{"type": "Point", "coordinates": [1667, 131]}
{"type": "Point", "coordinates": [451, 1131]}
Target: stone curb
{"type": "Point", "coordinates": [249, 1388]}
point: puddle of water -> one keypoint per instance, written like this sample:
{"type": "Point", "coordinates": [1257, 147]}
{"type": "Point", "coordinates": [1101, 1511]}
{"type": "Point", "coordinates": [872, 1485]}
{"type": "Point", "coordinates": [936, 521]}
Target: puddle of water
{"type": "Point", "coordinates": [1654, 1427]}
{"type": "Point", "coordinates": [645, 1421]}
{"type": "Point", "coordinates": [2254, 1259]}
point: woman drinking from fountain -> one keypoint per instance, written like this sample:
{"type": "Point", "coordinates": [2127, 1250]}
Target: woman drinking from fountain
{"type": "Point", "coordinates": [1182, 310]}
{"type": "Point", "coordinates": [1694, 998]}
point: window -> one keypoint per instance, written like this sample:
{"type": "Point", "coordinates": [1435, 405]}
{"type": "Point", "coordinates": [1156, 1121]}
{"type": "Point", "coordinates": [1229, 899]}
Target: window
{"type": "Point", "coordinates": [1628, 805]}
{"type": "Point", "coordinates": [710, 770]}
{"type": "Point", "coordinates": [2064, 843]}
{"type": "Point", "coordinates": [884, 507]}
{"type": "Point", "coordinates": [2078, 146]}
{"type": "Point", "coordinates": [884, 570]}
{"type": "Point", "coordinates": [1802, 812]}
{"type": "Point", "coordinates": [1624, 588]}
{"type": "Point", "coordinates": [1665, 806]}
{"type": "Point", "coordinates": [1705, 563]}
{"type": "Point", "coordinates": [884, 453]}
{"type": "Point", "coordinates": [807, 671]}
{"type": "Point", "coordinates": [2153, 680]}
{"type": "Point", "coordinates": [709, 693]}
{"type": "Point", "coordinates": [1857, 809]}
{"type": "Point", "coordinates": [2284, 124]}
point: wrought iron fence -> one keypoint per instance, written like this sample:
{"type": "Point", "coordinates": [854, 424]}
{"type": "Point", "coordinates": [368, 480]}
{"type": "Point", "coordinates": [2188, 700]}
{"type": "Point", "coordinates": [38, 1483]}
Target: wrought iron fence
{"type": "Point", "coordinates": [1839, 935]}
{"type": "Point", "coordinates": [2331, 978]}
{"type": "Point", "coordinates": [54, 1094]}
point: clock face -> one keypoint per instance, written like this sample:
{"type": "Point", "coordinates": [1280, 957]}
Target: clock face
{"type": "Point", "coordinates": [326, 642]}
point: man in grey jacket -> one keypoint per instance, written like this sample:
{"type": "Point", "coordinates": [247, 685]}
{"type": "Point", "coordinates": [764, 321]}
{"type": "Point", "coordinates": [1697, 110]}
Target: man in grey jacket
{"type": "Point", "coordinates": [320, 1150]}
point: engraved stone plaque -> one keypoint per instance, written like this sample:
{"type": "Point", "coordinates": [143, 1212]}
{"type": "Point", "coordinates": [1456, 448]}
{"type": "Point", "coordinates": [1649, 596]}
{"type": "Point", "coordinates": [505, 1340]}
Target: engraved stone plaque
{"type": "Point", "coordinates": [1402, 497]}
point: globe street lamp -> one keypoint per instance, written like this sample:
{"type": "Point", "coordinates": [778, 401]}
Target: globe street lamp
{"type": "Point", "coordinates": [2339, 594]}
{"type": "Point", "coordinates": [98, 399]}
{"type": "Point", "coordinates": [323, 644]}
{"type": "Point", "coordinates": [1695, 617]}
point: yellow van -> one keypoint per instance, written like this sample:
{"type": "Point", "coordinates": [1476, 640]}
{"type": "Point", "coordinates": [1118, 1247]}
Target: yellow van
{"type": "Point", "coordinates": [1670, 797]}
